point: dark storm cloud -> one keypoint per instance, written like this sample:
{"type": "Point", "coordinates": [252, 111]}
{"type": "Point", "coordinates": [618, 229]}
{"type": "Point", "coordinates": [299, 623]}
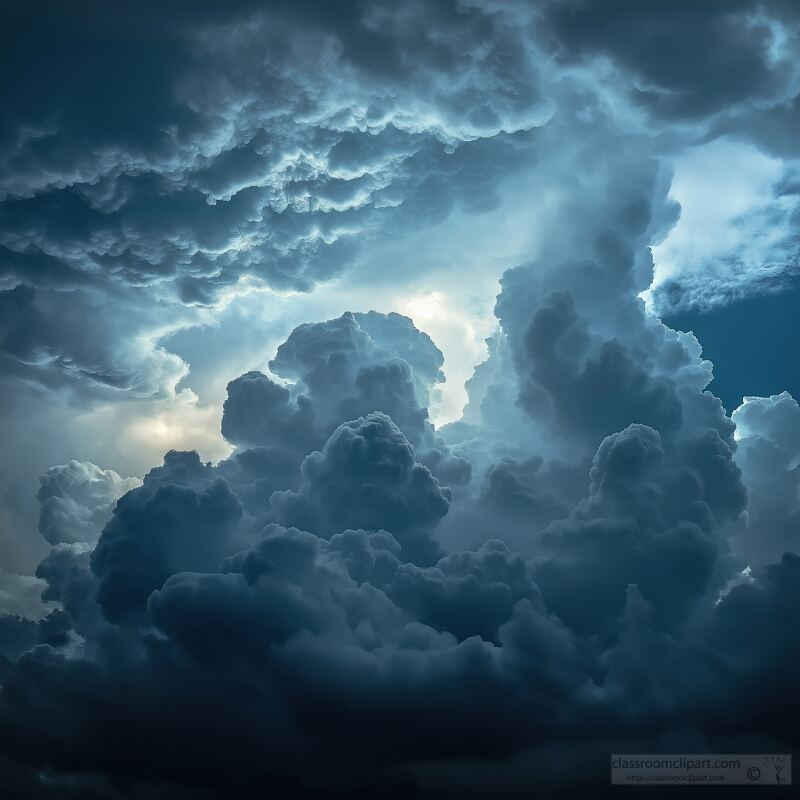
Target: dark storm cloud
{"type": "Point", "coordinates": [354, 601]}
{"type": "Point", "coordinates": [171, 154]}
{"type": "Point", "coordinates": [18, 634]}
{"type": "Point", "coordinates": [602, 392]}
{"type": "Point", "coordinates": [588, 359]}
{"type": "Point", "coordinates": [464, 658]}
{"type": "Point", "coordinates": [523, 488]}
{"type": "Point", "coordinates": [242, 612]}
{"type": "Point", "coordinates": [735, 47]}
{"type": "Point", "coordinates": [646, 522]}
{"type": "Point", "coordinates": [317, 622]}
{"type": "Point", "coordinates": [342, 370]}
{"type": "Point", "coordinates": [366, 477]}
{"type": "Point", "coordinates": [89, 343]}
{"type": "Point", "coordinates": [466, 593]}
{"type": "Point", "coordinates": [184, 514]}
{"type": "Point", "coordinates": [260, 412]}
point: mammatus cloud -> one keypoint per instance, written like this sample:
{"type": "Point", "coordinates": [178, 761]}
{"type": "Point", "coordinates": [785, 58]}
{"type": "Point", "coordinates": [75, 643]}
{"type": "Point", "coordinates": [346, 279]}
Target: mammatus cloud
{"type": "Point", "coordinates": [595, 558]}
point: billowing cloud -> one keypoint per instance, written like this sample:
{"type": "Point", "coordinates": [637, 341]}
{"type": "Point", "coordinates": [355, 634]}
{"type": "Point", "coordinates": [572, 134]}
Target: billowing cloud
{"type": "Point", "coordinates": [342, 369]}
{"type": "Point", "coordinates": [366, 476]}
{"type": "Point", "coordinates": [76, 501]}
{"type": "Point", "coordinates": [768, 453]}
{"type": "Point", "coordinates": [316, 575]}
{"type": "Point", "coordinates": [350, 599]}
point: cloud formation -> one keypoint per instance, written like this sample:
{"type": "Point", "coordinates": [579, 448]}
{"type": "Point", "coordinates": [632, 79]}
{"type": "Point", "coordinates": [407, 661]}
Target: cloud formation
{"type": "Point", "coordinates": [244, 610]}
{"type": "Point", "coordinates": [596, 557]}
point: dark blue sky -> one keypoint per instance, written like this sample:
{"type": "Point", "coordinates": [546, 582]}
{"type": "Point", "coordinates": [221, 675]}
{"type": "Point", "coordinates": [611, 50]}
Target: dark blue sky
{"type": "Point", "coordinates": [753, 343]}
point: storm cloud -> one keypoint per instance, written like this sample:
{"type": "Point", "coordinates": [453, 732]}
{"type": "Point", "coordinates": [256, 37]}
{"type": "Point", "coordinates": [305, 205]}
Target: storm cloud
{"type": "Point", "coordinates": [355, 597]}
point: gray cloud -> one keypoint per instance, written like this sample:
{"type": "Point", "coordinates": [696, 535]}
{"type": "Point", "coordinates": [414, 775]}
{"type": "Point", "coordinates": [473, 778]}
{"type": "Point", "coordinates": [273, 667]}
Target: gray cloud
{"type": "Point", "coordinates": [366, 476]}
{"type": "Point", "coordinates": [76, 501]}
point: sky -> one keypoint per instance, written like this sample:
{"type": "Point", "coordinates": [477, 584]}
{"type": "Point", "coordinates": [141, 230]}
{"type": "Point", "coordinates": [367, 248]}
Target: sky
{"type": "Point", "coordinates": [395, 398]}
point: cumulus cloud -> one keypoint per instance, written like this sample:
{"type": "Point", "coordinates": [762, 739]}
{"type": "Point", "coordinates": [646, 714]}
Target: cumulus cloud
{"type": "Point", "coordinates": [342, 369]}
{"type": "Point", "coordinates": [184, 516]}
{"type": "Point", "coordinates": [258, 411]}
{"type": "Point", "coordinates": [76, 501]}
{"type": "Point", "coordinates": [294, 589]}
{"type": "Point", "coordinates": [768, 453]}
{"type": "Point", "coordinates": [480, 654]}
{"type": "Point", "coordinates": [645, 523]}
{"type": "Point", "coordinates": [366, 476]}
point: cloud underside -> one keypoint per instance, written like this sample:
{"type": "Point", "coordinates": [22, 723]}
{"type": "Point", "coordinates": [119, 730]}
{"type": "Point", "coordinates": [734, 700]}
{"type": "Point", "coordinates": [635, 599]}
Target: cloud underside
{"type": "Point", "coordinates": [595, 558]}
